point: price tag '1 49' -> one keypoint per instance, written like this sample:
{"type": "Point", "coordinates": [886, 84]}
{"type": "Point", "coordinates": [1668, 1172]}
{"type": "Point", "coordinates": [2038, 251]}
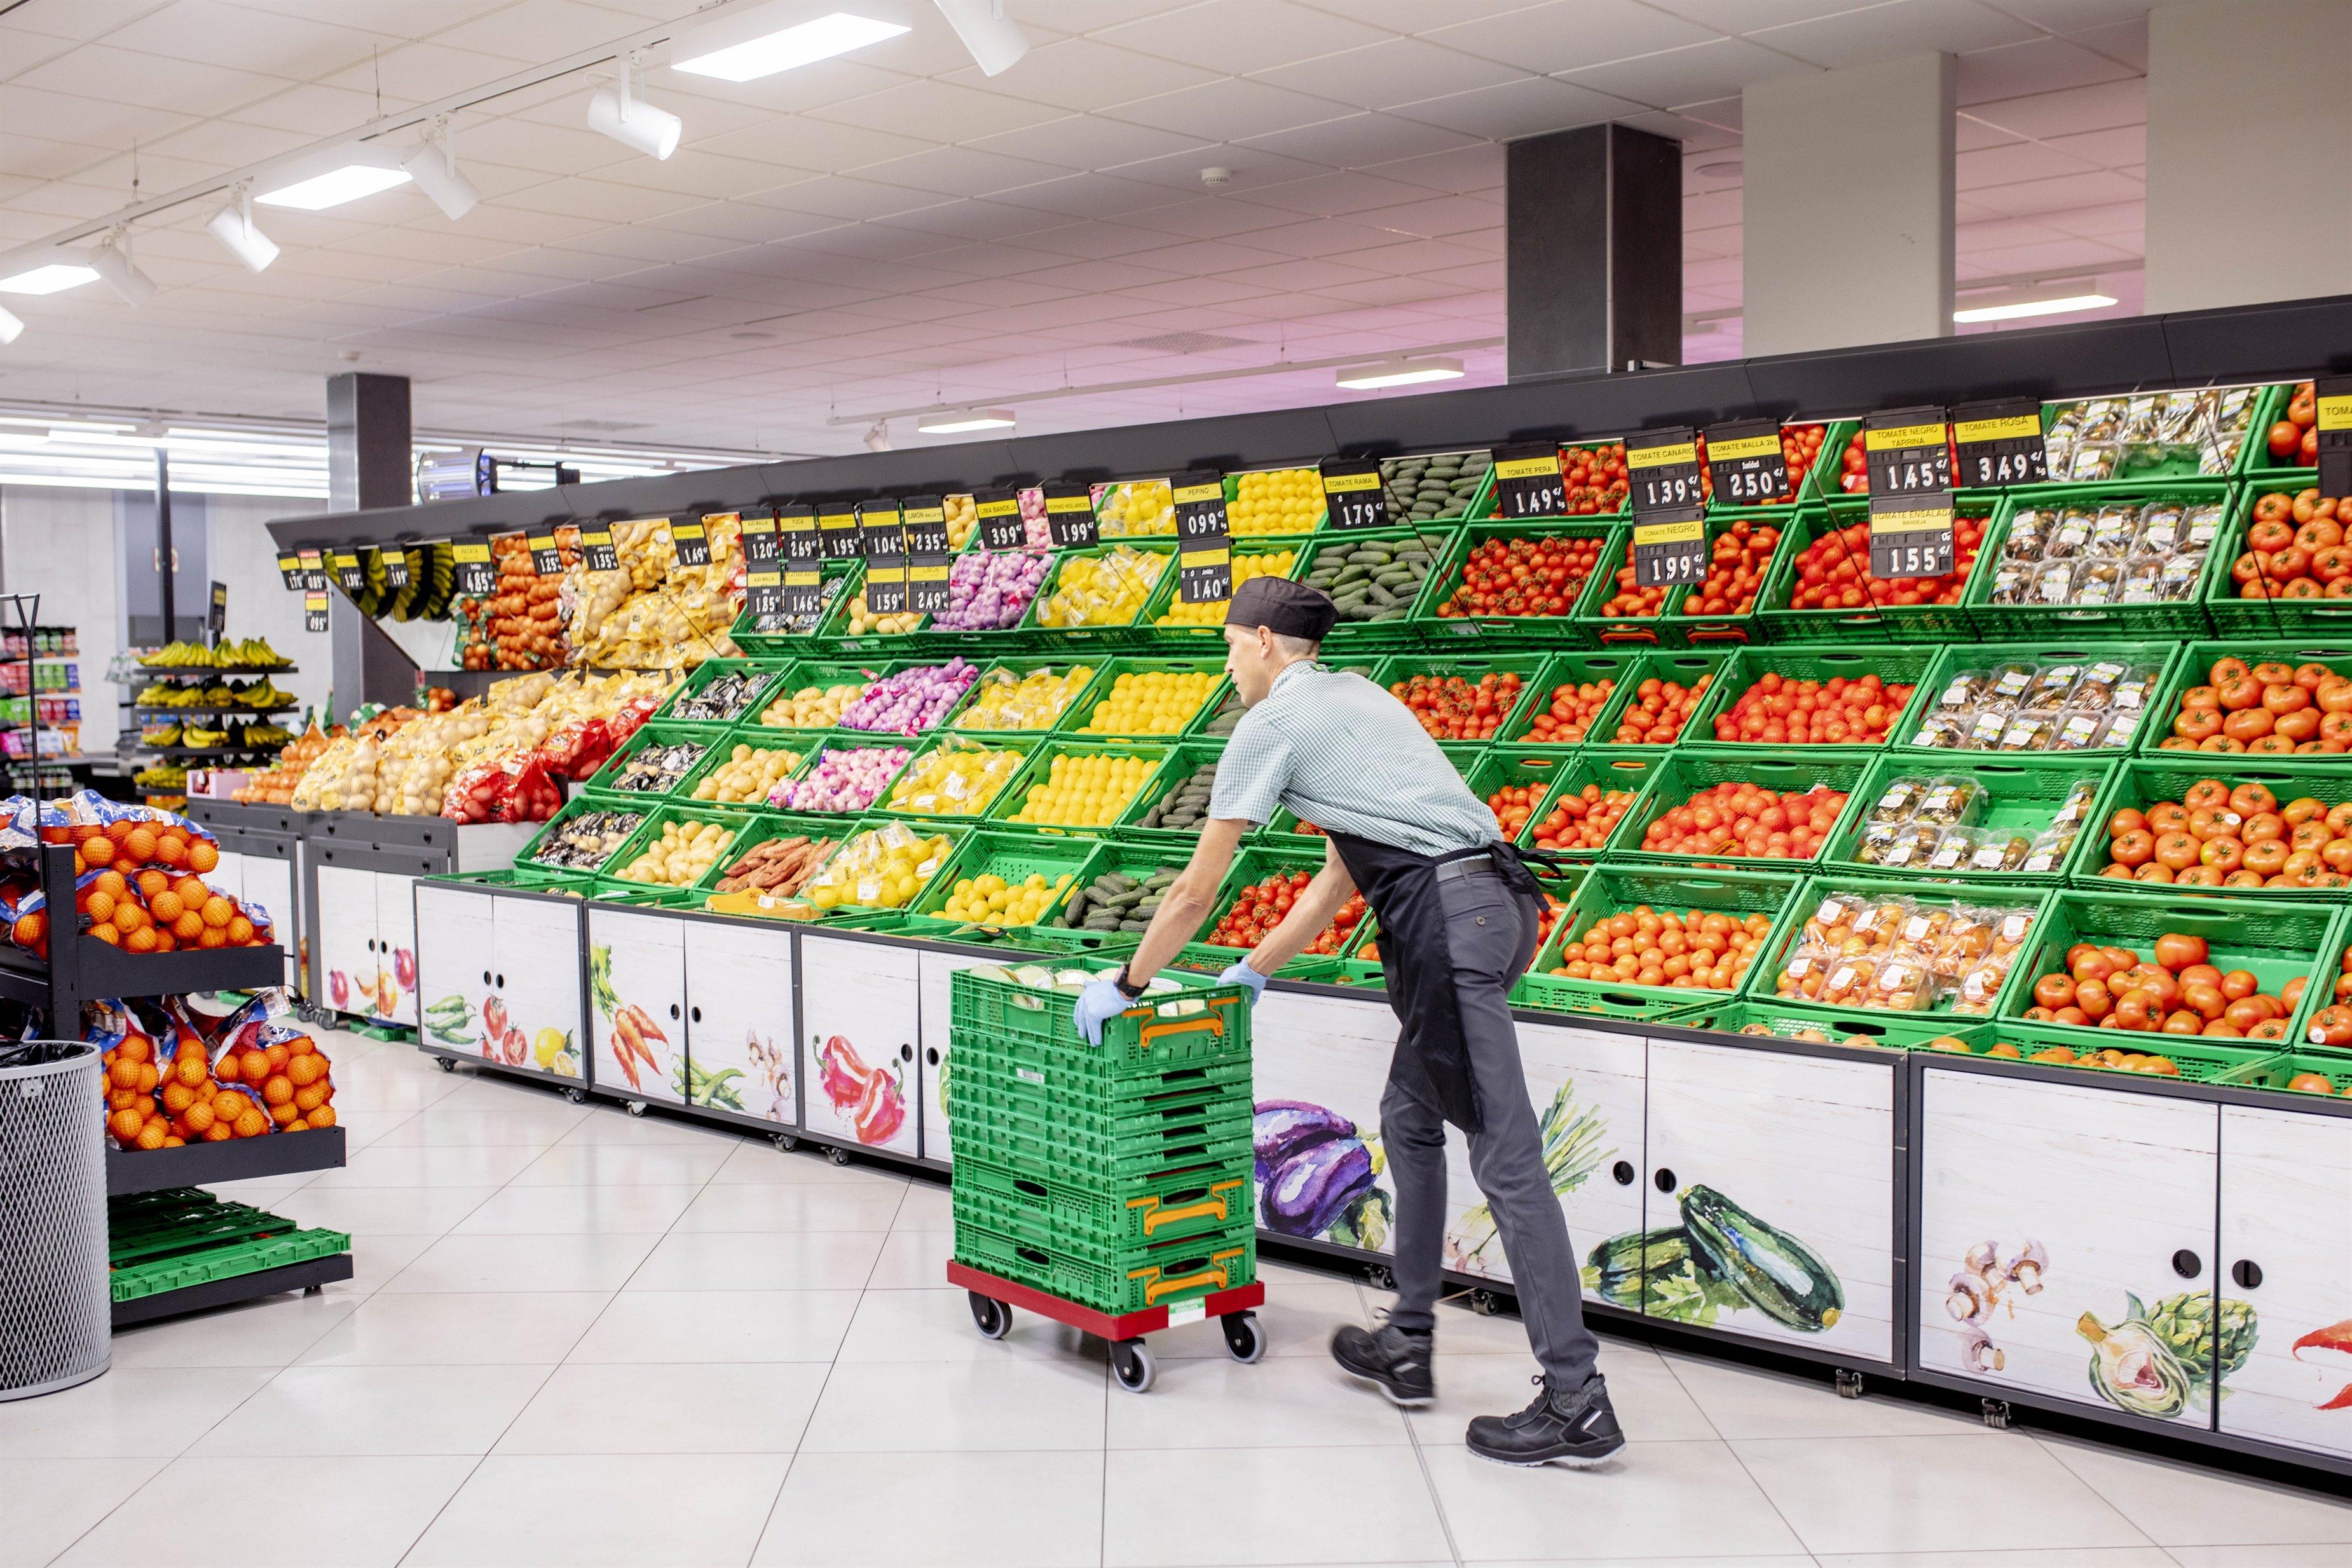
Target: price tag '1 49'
{"type": "Point", "coordinates": [1528, 481]}
{"type": "Point", "coordinates": [692, 540]}
{"type": "Point", "coordinates": [1910, 536]}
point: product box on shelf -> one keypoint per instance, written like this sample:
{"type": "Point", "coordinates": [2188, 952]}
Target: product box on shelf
{"type": "Point", "coordinates": [1574, 695]}
{"type": "Point", "coordinates": [1465, 696]}
{"type": "Point", "coordinates": [1032, 695]}
{"type": "Point", "coordinates": [1699, 798]}
{"type": "Point", "coordinates": [1007, 880]}
{"type": "Point", "coordinates": [1093, 600]}
{"type": "Point", "coordinates": [957, 777]}
{"type": "Point", "coordinates": [2282, 558]}
{"type": "Point", "coordinates": [1379, 579]}
{"type": "Point", "coordinates": [650, 765]}
{"type": "Point", "coordinates": [2247, 826]}
{"type": "Point", "coordinates": [1072, 787]}
{"type": "Point", "coordinates": [2189, 712]}
{"type": "Point", "coordinates": [2016, 820]}
{"type": "Point", "coordinates": [1857, 944]}
{"type": "Point", "coordinates": [1743, 545]}
{"type": "Point", "coordinates": [2092, 699]}
{"type": "Point", "coordinates": [1594, 791]}
{"type": "Point", "coordinates": [1156, 696]}
{"type": "Point", "coordinates": [1876, 1031]}
{"type": "Point", "coordinates": [2103, 560]}
{"type": "Point", "coordinates": [1169, 619]}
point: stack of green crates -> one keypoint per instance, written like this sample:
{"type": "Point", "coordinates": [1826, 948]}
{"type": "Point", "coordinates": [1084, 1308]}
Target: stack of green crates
{"type": "Point", "coordinates": [1115, 1175]}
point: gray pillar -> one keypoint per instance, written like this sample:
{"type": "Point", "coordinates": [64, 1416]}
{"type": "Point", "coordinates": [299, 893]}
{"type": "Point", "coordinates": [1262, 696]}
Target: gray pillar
{"type": "Point", "coordinates": [1594, 253]}
{"type": "Point", "coordinates": [368, 459]}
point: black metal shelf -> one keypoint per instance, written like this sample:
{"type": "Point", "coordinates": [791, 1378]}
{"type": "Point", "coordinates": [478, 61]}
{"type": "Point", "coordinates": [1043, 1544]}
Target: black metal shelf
{"type": "Point", "coordinates": [231, 1159]}
{"type": "Point", "coordinates": [182, 672]}
{"type": "Point", "coordinates": [216, 712]}
{"type": "Point", "coordinates": [304, 1275]}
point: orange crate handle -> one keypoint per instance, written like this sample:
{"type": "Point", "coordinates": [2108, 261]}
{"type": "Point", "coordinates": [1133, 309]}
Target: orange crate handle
{"type": "Point", "coordinates": [1215, 1204]}
{"type": "Point", "coordinates": [1213, 1022]}
{"type": "Point", "coordinates": [1214, 1273]}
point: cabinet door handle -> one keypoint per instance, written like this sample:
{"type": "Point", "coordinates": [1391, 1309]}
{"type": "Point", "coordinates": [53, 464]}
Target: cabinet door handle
{"type": "Point", "coordinates": [486, 977]}
{"type": "Point", "coordinates": [905, 1053]}
{"type": "Point", "coordinates": [1665, 1180]}
{"type": "Point", "coordinates": [931, 1056]}
{"type": "Point", "coordinates": [673, 1009]}
{"type": "Point", "coordinates": [1623, 1172]}
{"type": "Point", "coordinates": [502, 982]}
{"type": "Point", "coordinates": [694, 1014]}
{"type": "Point", "coordinates": [2247, 1273]}
{"type": "Point", "coordinates": [2187, 1264]}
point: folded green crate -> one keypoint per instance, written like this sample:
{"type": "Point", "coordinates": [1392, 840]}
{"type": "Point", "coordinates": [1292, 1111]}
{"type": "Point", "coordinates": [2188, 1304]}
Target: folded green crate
{"type": "Point", "coordinates": [1162, 1274]}
{"type": "Point", "coordinates": [1187, 1201]}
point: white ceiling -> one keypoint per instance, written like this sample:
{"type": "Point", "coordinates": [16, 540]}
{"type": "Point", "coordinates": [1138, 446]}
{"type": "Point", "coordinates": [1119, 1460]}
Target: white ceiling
{"type": "Point", "coordinates": [891, 229]}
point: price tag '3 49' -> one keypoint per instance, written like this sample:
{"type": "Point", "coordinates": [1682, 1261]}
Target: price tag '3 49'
{"type": "Point", "coordinates": [2000, 444]}
{"type": "Point", "coordinates": [1910, 536]}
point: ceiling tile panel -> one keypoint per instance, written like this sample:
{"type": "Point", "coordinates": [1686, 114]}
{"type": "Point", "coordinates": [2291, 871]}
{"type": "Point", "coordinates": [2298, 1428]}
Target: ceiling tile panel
{"type": "Point", "coordinates": [1695, 74]}
{"type": "Point", "coordinates": [1088, 142]}
{"type": "Point", "coordinates": [1228, 111]}
{"type": "Point", "coordinates": [1274, 32]}
{"type": "Point", "coordinates": [1358, 142]}
{"type": "Point", "coordinates": [1566, 34]}
{"type": "Point", "coordinates": [2045, 64]}
{"type": "Point", "coordinates": [1087, 74]}
{"type": "Point", "coordinates": [1523, 107]}
{"type": "Point", "coordinates": [1398, 70]}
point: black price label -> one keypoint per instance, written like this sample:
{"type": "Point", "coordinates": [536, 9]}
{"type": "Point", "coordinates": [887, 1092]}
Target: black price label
{"type": "Point", "coordinates": [1662, 470]}
{"type": "Point", "coordinates": [349, 575]}
{"type": "Point", "coordinates": [396, 566]}
{"type": "Point", "coordinates": [2332, 423]}
{"type": "Point", "coordinates": [1199, 497]}
{"type": "Point", "coordinates": [836, 522]}
{"type": "Point", "coordinates": [796, 526]}
{"type": "Point", "coordinates": [290, 566]}
{"type": "Point", "coordinates": [692, 540]}
{"type": "Point", "coordinates": [881, 532]}
{"type": "Point", "coordinates": [758, 540]}
{"type": "Point", "coordinates": [1670, 549]}
{"type": "Point", "coordinates": [926, 586]}
{"type": "Point", "coordinates": [546, 559]}
{"type": "Point", "coordinates": [2000, 444]}
{"type": "Point", "coordinates": [1002, 526]}
{"type": "Point", "coordinates": [216, 615]}
{"type": "Point", "coordinates": [764, 589]}
{"type": "Point", "coordinates": [1352, 494]}
{"type": "Point", "coordinates": [1070, 516]}
{"type": "Point", "coordinates": [1745, 461]}
{"type": "Point", "coordinates": [1908, 452]}
{"type": "Point", "coordinates": [596, 551]}
{"type": "Point", "coordinates": [1204, 570]}
{"type": "Point", "coordinates": [314, 611]}
{"type": "Point", "coordinates": [804, 595]}
{"type": "Point", "coordinates": [314, 570]}
{"type": "Point", "coordinates": [1910, 536]}
{"type": "Point", "coordinates": [475, 576]}
{"type": "Point", "coordinates": [885, 588]}
{"type": "Point", "coordinates": [925, 518]}
{"type": "Point", "coordinates": [1527, 482]}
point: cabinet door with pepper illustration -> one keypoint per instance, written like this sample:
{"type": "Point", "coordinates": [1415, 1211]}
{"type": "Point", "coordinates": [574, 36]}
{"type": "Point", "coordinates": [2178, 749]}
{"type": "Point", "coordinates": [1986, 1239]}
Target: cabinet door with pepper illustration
{"type": "Point", "coordinates": [637, 995]}
{"type": "Point", "coordinates": [2287, 1254]}
{"type": "Point", "coordinates": [2065, 1244]}
{"type": "Point", "coordinates": [739, 1020]}
{"type": "Point", "coordinates": [456, 960]}
{"type": "Point", "coordinates": [859, 1016]}
{"type": "Point", "coordinates": [1320, 1065]}
{"type": "Point", "coordinates": [538, 952]}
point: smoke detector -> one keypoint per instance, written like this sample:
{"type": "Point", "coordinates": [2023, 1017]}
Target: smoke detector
{"type": "Point", "coordinates": [1216, 174]}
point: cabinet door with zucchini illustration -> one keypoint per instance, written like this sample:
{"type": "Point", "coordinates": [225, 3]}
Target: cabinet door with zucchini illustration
{"type": "Point", "coordinates": [739, 1020]}
{"type": "Point", "coordinates": [457, 943]}
{"type": "Point", "coordinates": [1319, 1067]}
{"type": "Point", "coordinates": [859, 1019]}
{"type": "Point", "coordinates": [2065, 1243]}
{"type": "Point", "coordinates": [537, 1010]}
{"type": "Point", "coordinates": [1586, 1088]}
{"type": "Point", "coordinates": [932, 1054]}
{"type": "Point", "coordinates": [2287, 1254]}
{"type": "Point", "coordinates": [1768, 1198]}
{"type": "Point", "coordinates": [636, 1003]}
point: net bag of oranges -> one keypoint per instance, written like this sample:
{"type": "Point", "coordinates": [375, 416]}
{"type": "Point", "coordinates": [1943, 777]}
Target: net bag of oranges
{"type": "Point", "coordinates": [138, 880]}
{"type": "Point", "coordinates": [172, 1079]}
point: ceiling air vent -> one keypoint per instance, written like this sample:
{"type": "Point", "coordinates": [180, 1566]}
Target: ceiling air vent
{"type": "Point", "coordinates": [1186, 343]}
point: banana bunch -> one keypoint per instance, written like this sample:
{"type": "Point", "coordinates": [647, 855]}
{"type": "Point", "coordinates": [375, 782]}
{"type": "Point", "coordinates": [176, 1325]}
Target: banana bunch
{"type": "Point", "coordinates": [263, 695]}
{"type": "Point", "coordinates": [161, 694]}
{"type": "Point", "coordinates": [163, 778]}
{"type": "Point", "coordinates": [249, 653]}
{"type": "Point", "coordinates": [220, 694]}
{"type": "Point", "coordinates": [179, 656]}
{"type": "Point", "coordinates": [264, 735]}
{"type": "Point", "coordinates": [160, 734]}
{"type": "Point", "coordinates": [431, 583]}
{"type": "Point", "coordinates": [200, 735]}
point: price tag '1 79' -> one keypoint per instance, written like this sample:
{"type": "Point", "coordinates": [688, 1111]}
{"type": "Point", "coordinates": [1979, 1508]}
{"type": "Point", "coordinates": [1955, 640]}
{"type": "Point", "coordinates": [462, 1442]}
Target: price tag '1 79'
{"type": "Point", "coordinates": [1070, 516]}
{"type": "Point", "coordinates": [1910, 536]}
{"type": "Point", "coordinates": [1670, 549]}
{"type": "Point", "coordinates": [596, 550]}
{"type": "Point", "coordinates": [1528, 481]}
{"type": "Point", "coordinates": [1908, 452]}
{"type": "Point", "coordinates": [475, 576]}
{"type": "Point", "coordinates": [692, 540]}
{"type": "Point", "coordinates": [1662, 466]}
{"type": "Point", "coordinates": [998, 513]}
{"type": "Point", "coordinates": [1746, 463]}
{"type": "Point", "coordinates": [2000, 444]}
{"type": "Point", "coordinates": [1352, 494]}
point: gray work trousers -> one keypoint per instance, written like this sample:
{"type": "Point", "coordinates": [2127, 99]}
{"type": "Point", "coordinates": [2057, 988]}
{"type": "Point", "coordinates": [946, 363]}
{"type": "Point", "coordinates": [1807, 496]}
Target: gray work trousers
{"type": "Point", "coordinates": [1492, 933]}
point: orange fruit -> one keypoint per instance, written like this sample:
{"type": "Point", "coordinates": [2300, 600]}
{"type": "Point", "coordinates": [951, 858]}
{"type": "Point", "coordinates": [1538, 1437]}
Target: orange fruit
{"type": "Point", "coordinates": [119, 829]}
{"type": "Point", "coordinates": [138, 844]}
{"type": "Point", "coordinates": [152, 882]}
{"type": "Point", "coordinates": [99, 905]}
{"type": "Point", "coordinates": [109, 883]}
{"type": "Point", "coordinates": [228, 1106]}
{"type": "Point", "coordinates": [108, 935]}
{"type": "Point", "coordinates": [171, 849]}
{"type": "Point", "coordinates": [166, 906]}
{"type": "Point", "coordinates": [190, 1069]}
{"type": "Point", "coordinates": [123, 1072]}
{"type": "Point", "coordinates": [304, 1070]}
{"type": "Point", "coordinates": [178, 1097]}
{"type": "Point", "coordinates": [163, 941]}
{"type": "Point", "coordinates": [283, 1113]}
{"type": "Point", "coordinates": [252, 1123]}
{"type": "Point", "coordinates": [309, 1100]}
{"type": "Point", "coordinates": [302, 1045]}
{"type": "Point", "coordinates": [240, 931]}
{"type": "Point", "coordinates": [152, 1135]}
{"type": "Point", "coordinates": [254, 1065]}
{"type": "Point", "coordinates": [219, 1133]}
{"type": "Point", "coordinates": [125, 1124]}
{"type": "Point", "coordinates": [122, 1099]}
{"type": "Point", "coordinates": [175, 1142]}
{"type": "Point", "coordinates": [188, 927]}
{"type": "Point", "coordinates": [202, 856]}
{"type": "Point", "coordinates": [277, 1089]}
{"type": "Point", "coordinates": [135, 1046]}
{"type": "Point", "coordinates": [278, 1057]}
{"type": "Point", "coordinates": [217, 911]}
{"type": "Point", "coordinates": [139, 941]}
{"type": "Point", "coordinates": [25, 932]}
{"type": "Point", "coordinates": [321, 1117]}
{"type": "Point", "coordinates": [213, 936]}
{"type": "Point", "coordinates": [129, 918]}
{"type": "Point", "coordinates": [192, 889]}
{"type": "Point", "coordinates": [198, 1117]}
{"type": "Point", "coordinates": [95, 852]}
{"type": "Point", "coordinates": [148, 1078]}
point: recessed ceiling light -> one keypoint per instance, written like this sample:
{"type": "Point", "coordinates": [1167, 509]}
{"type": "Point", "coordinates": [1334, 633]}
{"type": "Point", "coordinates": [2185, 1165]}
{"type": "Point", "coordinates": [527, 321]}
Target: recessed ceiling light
{"type": "Point", "coordinates": [49, 279]}
{"type": "Point", "coordinates": [333, 189]}
{"type": "Point", "coordinates": [790, 47]}
{"type": "Point", "coordinates": [955, 422]}
{"type": "Point", "coordinates": [1400, 372]}
{"type": "Point", "coordinates": [1723, 171]}
{"type": "Point", "coordinates": [2066, 305]}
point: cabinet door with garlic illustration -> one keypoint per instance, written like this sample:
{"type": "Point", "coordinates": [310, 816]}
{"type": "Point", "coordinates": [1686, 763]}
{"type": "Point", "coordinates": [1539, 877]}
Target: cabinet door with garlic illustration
{"type": "Point", "coordinates": [1768, 1202]}
{"type": "Point", "coordinates": [2282, 1336]}
{"type": "Point", "coordinates": [859, 1016]}
{"type": "Point", "coordinates": [739, 1019]}
{"type": "Point", "coordinates": [1318, 1069]}
{"type": "Point", "coordinates": [2065, 1241]}
{"type": "Point", "coordinates": [637, 994]}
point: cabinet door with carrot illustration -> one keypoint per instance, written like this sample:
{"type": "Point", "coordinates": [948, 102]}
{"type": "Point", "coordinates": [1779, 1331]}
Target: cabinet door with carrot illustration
{"type": "Point", "coordinates": [636, 996]}
{"type": "Point", "coordinates": [739, 1020]}
{"type": "Point", "coordinates": [2286, 1255]}
{"type": "Point", "coordinates": [860, 1018]}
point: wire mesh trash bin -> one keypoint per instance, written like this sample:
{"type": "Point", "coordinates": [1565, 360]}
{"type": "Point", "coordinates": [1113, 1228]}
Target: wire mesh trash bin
{"type": "Point", "coordinates": [54, 1322]}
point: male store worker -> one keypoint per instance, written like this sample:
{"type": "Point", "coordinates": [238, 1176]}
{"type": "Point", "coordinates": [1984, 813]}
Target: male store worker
{"type": "Point", "coordinates": [1458, 915]}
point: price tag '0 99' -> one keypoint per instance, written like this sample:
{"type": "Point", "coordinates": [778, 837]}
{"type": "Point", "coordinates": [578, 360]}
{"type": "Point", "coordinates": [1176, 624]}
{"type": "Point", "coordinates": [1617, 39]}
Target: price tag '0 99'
{"type": "Point", "coordinates": [1910, 536]}
{"type": "Point", "coordinates": [314, 611]}
{"type": "Point", "coordinates": [1746, 463]}
{"type": "Point", "coordinates": [1998, 444]}
{"type": "Point", "coordinates": [1670, 549]}
{"type": "Point", "coordinates": [1662, 466]}
{"type": "Point", "coordinates": [1352, 494]}
{"type": "Point", "coordinates": [1528, 481]}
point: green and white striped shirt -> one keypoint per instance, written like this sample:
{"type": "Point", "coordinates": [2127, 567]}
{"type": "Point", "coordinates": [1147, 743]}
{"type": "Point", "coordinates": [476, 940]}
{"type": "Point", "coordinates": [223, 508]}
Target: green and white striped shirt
{"type": "Point", "coordinates": [1345, 755]}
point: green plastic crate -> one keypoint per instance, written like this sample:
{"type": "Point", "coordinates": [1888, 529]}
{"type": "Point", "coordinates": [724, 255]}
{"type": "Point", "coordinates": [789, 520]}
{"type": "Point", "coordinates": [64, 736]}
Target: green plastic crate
{"type": "Point", "coordinates": [2182, 462]}
{"type": "Point", "coordinates": [1885, 1032]}
{"type": "Point", "coordinates": [1480, 501]}
{"type": "Point", "coordinates": [1371, 625]}
{"type": "Point", "coordinates": [1687, 668]}
{"type": "Point", "coordinates": [2323, 620]}
{"type": "Point", "coordinates": [2195, 1060]}
{"type": "Point", "coordinates": [2187, 617]}
{"type": "Point", "coordinates": [2278, 1072]}
{"type": "Point", "coordinates": [1076, 716]}
{"type": "Point", "coordinates": [1607, 891]}
{"type": "Point", "coordinates": [1012, 856]}
{"type": "Point", "coordinates": [1011, 671]}
{"type": "Point", "coordinates": [773, 637]}
{"type": "Point", "coordinates": [848, 740]}
{"type": "Point", "coordinates": [1212, 634]}
{"type": "Point", "coordinates": [1126, 1213]}
{"type": "Point", "coordinates": [2195, 668]}
{"type": "Point", "coordinates": [820, 673]}
{"type": "Point", "coordinates": [1672, 627]}
{"type": "Point", "coordinates": [1960, 662]}
{"type": "Point", "coordinates": [1440, 662]}
{"type": "Point", "coordinates": [733, 822]}
{"type": "Point", "coordinates": [1165, 1273]}
{"type": "Point", "coordinates": [998, 1118]}
{"type": "Point", "coordinates": [1009, 802]}
{"type": "Point", "coordinates": [852, 828]}
{"type": "Point", "coordinates": [1550, 630]}
{"type": "Point", "coordinates": [572, 809]}
{"type": "Point", "coordinates": [1252, 866]}
{"type": "Point", "coordinates": [1764, 978]}
{"type": "Point", "coordinates": [2142, 781]}
{"type": "Point", "coordinates": [1153, 1047]}
{"type": "Point", "coordinates": [1138, 861]}
{"type": "Point", "coordinates": [1094, 642]}
{"type": "Point", "coordinates": [1605, 768]}
{"type": "Point", "coordinates": [1689, 769]}
{"type": "Point", "coordinates": [766, 826]}
{"type": "Point", "coordinates": [225, 1261]}
{"type": "Point", "coordinates": [1499, 768]}
{"type": "Point", "coordinates": [1875, 624]}
{"type": "Point", "coordinates": [1184, 760]}
{"type": "Point", "coordinates": [765, 674]}
{"type": "Point", "coordinates": [1903, 666]}
{"type": "Point", "coordinates": [1315, 481]}
{"type": "Point", "coordinates": [1615, 666]}
{"type": "Point", "coordinates": [648, 736]}
{"type": "Point", "coordinates": [722, 752]}
{"type": "Point", "coordinates": [2021, 796]}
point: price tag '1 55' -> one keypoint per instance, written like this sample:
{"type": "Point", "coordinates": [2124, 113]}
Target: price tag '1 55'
{"type": "Point", "coordinates": [1910, 536]}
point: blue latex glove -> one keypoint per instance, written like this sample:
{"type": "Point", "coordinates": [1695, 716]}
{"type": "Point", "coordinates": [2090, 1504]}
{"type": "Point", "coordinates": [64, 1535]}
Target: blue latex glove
{"type": "Point", "coordinates": [1241, 974]}
{"type": "Point", "coordinates": [1100, 1001]}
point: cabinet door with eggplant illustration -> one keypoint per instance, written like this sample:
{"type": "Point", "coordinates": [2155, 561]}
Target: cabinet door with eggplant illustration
{"type": "Point", "coordinates": [2282, 1337]}
{"type": "Point", "coordinates": [1319, 1067]}
{"type": "Point", "coordinates": [859, 1021]}
{"type": "Point", "coordinates": [1768, 1198]}
{"type": "Point", "coordinates": [636, 1003]}
{"type": "Point", "coordinates": [2065, 1241]}
{"type": "Point", "coordinates": [346, 928]}
{"type": "Point", "coordinates": [395, 947]}
{"type": "Point", "coordinates": [931, 1056]}
{"type": "Point", "coordinates": [538, 1008]}
{"type": "Point", "coordinates": [456, 967]}
{"type": "Point", "coordinates": [739, 1020]}
{"type": "Point", "coordinates": [1586, 1090]}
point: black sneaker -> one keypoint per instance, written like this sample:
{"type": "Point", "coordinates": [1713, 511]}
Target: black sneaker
{"type": "Point", "coordinates": [1397, 1361]}
{"type": "Point", "coordinates": [1575, 1429]}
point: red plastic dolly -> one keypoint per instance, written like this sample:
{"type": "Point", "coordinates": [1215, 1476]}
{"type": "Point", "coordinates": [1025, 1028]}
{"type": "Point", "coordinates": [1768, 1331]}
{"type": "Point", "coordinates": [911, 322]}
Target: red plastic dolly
{"type": "Point", "coordinates": [993, 1299]}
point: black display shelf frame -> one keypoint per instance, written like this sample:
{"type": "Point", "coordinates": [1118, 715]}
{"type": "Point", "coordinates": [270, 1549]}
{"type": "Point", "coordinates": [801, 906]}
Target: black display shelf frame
{"type": "Point", "coordinates": [274, 1153]}
{"type": "Point", "coordinates": [311, 1274]}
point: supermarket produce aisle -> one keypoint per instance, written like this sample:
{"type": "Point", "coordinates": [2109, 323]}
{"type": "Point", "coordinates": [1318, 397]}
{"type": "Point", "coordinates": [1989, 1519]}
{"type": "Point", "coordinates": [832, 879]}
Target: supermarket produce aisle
{"type": "Point", "coordinates": [578, 1338]}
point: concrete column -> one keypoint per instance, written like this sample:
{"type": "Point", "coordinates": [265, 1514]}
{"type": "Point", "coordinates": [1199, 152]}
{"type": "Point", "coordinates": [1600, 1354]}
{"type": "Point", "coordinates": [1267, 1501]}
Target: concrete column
{"type": "Point", "coordinates": [1593, 251]}
{"type": "Point", "coordinates": [2247, 113]}
{"type": "Point", "coordinates": [1846, 207]}
{"type": "Point", "coordinates": [369, 461]}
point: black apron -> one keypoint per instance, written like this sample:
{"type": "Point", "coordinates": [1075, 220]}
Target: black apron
{"type": "Point", "coordinates": [1400, 886]}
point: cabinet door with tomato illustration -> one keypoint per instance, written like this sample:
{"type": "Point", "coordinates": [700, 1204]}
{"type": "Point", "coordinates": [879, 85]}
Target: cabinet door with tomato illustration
{"type": "Point", "coordinates": [739, 1020]}
{"type": "Point", "coordinates": [347, 939]}
{"type": "Point", "coordinates": [538, 975]}
{"type": "Point", "coordinates": [2065, 1240]}
{"type": "Point", "coordinates": [1770, 1196]}
{"type": "Point", "coordinates": [2283, 1338]}
{"type": "Point", "coordinates": [860, 1018]}
{"type": "Point", "coordinates": [1320, 1066]}
{"type": "Point", "coordinates": [636, 1003]}
{"type": "Point", "coordinates": [395, 947]}
{"type": "Point", "coordinates": [932, 1054]}
{"type": "Point", "coordinates": [456, 954]}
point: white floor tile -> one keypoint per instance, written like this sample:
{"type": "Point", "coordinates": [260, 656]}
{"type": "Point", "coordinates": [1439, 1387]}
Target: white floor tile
{"type": "Point", "coordinates": [789, 1260]}
{"type": "Point", "coordinates": [2177, 1504]}
{"type": "Point", "coordinates": [1283, 1402]}
{"type": "Point", "coordinates": [492, 1328]}
{"type": "Point", "coordinates": [1787, 1402]}
{"type": "Point", "coordinates": [477, 1165]}
{"type": "Point", "coordinates": [269, 1332]}
{"type": "Point", "coordinates": [139, 1413]}
{"type": "Point", "coordinates": [2254, 1557]}
{"type": "Point", "coordinates": [673, 1409]}
{"type": "Point", "coordinates": [927, 1208]}
{"type": "Point", "coordinates": [937, 1325]}
{"type": "Point", "coordinates": [1651, 1405]}
{"type": "Point", "coordinates": [2069, 1557]}
{"type": "Point", "coordinates": [925, 1510]}
{"type": "Point", "coordinates": [377, 1258]}
{"type": "Point", "coordinates": [596, 1510]}
{"type": "Point", "coordinates": [398, 1210]}
{"type": "Point", "coordinates": [607, 1124]}
{"type": "Point", "coordinates": [1004, 1403]}
{"type": "Point", "coordinates": [757, 1163]}
{"type": "Point", "coordinates": [47, 1503]}
{"type": "Point", "coordinates": [337, 1509]}
{"type": "Point", "coordinates": [913, 1260]}
{"type": "Point", "coordinates": [647, 1327]}
{"type": "Point", "coordinates": [581, 1262]}
{"type": "Point", "coordinates": [1185, 1506]}
{"type": "Point", "coordinates": [625, 1164]}
{"type": "Point", "coordinates": [309, 1410]}
{"type": "Point", "coordinates": [577, 1211]}
{"type": "Point", "coordinates": [792, 1208]}
{"type": "Point", "coordinates": [445, 1127]}
{"type": "Point", "coordinates": [1686, 1499]}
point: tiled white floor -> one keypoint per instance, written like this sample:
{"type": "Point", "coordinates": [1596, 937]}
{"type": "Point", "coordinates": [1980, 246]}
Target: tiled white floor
{"type": "Point", "coordinates": [577, 1338]}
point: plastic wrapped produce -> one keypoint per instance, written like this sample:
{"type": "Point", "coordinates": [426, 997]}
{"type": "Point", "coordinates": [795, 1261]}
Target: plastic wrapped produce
{"type": "Point", "coordinates": [844, 779]}
{"type": "Point", "coordinates": [911, 701]}
{"type": "Point", "coordinates": [990, 590]}
{"type": "Point", "coordinates": [1029, 702]}
{"type": "Point", "coordinates": [883, 868]}
{"type": "Point", "coordinates": [956, 780]}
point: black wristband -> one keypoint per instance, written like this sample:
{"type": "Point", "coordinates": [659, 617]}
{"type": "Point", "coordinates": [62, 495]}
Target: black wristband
{"type": "Point", "coordinates": [1128, 988]}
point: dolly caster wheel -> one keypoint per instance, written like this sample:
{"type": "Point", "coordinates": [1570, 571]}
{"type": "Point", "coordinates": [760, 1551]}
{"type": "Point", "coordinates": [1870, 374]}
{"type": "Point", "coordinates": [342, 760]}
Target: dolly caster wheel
{"type": "Point", "coordinates": [1485, 1303]}
{"type": "Point", "coordinates": [838, 1156]}
{"type": "Point", "coordinates": [1996, 1415]}
{"type": "Point", "coordinates": [785, 1142]}
{"type": "Point", "coordinates": [446, 1063]}
{"type": "Point", "coordinates": [1378, 1277]}
{"type": "Point", "coordinates": [577, 1096]}
{"type": "Point", "coordinates": [991, 1316]}
{"type": "Point", "coordinates": [636, 1107]}
{"type": "Point", "coordinates": [1130, 1362]}
{"type": "Point", "coordinates": [1245, 1341]}
{"type": "Point", "coordinates": [1849, 1383]}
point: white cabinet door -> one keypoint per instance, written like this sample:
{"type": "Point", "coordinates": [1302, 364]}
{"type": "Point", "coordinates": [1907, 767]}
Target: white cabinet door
{"type": "Point", "coordinates": [457, 942]}
{"type": "Point", "coordinates": [739, 1019]}
{"type": "Point", "coordinates": [228, 876]}
{"type": "Point", "coordinates": [269, 885]}
{"type": "Point", "coordinates": [859, 1021]}
{"type": "Point", "coordinates": [538, 977]}
{"type": "Point", "coordinates": [1586, 1090]}
{"type": "Point", "coordinates": [932, 1065]}
{"type": "Point", "coordinates": [637, 994]}
{"type": "Point", "coordinates": [395, 947]}
{"type": "Point", "coordinates": [1322, 1062]}
{"type": "Point", "coordinates": [2094, 1198]}
{"type": "Point", "coordinates": [2286, 1278]}
{"type": "Point", "coordinates": [1780, 1170]}
{"type": "Point", "coordinates": [347, 937]}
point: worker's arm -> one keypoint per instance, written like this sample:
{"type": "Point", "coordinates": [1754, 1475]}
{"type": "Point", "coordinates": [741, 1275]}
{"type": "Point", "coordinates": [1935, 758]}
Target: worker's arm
{"type": "Point", "coordinates": [1189, 900]}
{"type": "Point", "coordinates": [1310, 911]}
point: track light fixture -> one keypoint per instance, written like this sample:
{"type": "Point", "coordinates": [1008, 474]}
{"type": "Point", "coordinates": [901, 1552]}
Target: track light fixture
{"type": "Point", "coordinates": [878, 438]}
{"type": "Point", "coordinates": [995, 43]}
{"type": "Point", "coordinates": [434, 167]}
{"type": "Point", "coordinates": [233, 226]}
{"type": "Point", "coordinates": [111, 261]}
{"type": "Point", "coordinates": [614, 112]}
